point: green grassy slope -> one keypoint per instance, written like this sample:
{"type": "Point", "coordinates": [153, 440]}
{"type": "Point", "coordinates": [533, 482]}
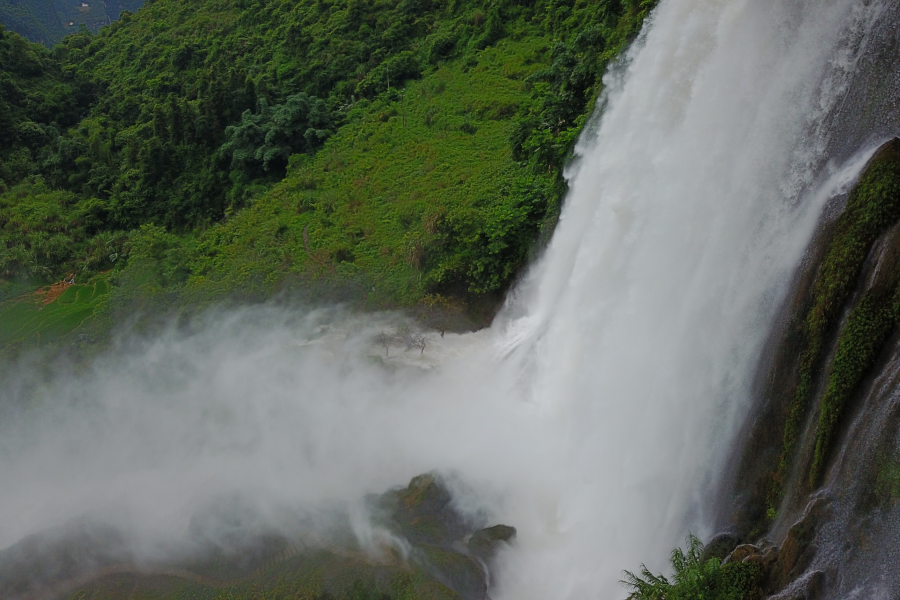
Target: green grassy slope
{"type": "Point", "coordinates": [418, 194]}
{"type": "Point", "coordinates": [28, 319]}
{"type": "Point", "coordinates": [401, 152]}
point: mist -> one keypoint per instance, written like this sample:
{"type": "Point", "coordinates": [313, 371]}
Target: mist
{"type": "Point", "coordinates": [593, 415]}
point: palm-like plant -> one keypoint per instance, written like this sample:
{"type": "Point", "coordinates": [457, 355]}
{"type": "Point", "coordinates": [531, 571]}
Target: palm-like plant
{"type": "Point", "coordinates": [693, 578]}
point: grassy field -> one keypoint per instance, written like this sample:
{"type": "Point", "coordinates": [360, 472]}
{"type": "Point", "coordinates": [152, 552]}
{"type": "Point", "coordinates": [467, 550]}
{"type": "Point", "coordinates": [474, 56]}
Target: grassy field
{"type": "Point", "coordinates": [37, 316]}
{"type": "Point", "coordinates": [418, 195]}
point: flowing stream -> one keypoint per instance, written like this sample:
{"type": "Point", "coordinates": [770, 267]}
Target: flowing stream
{"type": "Point", "coordinates": [594, 415]}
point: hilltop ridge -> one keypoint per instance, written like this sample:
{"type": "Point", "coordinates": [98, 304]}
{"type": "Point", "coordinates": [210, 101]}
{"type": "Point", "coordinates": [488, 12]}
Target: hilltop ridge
{"type": "Point", "coordinates": [48, 21]}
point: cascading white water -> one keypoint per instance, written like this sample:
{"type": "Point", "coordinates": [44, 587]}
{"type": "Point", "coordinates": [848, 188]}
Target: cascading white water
{"type": "Point", "coordinates": [592, 416]}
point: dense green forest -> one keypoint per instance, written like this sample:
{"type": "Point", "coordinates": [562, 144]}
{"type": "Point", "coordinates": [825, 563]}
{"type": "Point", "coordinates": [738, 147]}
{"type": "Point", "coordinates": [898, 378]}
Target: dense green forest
{"type": "Point", "coordinates": [399, 152]}
{"type": "Point", "coordinates": [48, 21]}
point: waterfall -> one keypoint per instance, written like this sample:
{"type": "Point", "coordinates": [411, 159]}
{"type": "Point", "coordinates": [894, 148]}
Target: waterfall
{"type": "Point", "coordinates": [690, 206]}
{"type": "Point", "coordinates": [594, 415]}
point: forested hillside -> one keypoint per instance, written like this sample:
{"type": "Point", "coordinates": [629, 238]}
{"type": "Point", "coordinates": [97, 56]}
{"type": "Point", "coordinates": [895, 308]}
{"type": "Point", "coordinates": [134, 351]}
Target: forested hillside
{"type": "Point", "coordinates": [48, 21]}
{"type": "Point", "coordinates": [401, 151]}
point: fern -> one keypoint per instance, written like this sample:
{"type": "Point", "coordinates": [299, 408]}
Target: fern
{"type": "Point", "coordinates": [695, 579]}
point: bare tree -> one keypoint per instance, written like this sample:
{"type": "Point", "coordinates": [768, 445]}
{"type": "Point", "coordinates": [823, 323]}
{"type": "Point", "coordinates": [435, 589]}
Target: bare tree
{"type": "Point", "coordinates": [403, 336]}
{"type": "Point", "coordinates": [418, 340]}
{"type": "Point", "coordinates": [384, 340]}
{"type": "Point", "coordinates": [411, 339]}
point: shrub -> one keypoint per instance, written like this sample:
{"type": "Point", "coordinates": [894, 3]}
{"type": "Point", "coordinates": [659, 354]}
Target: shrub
{"type": "Point", "coordinates": [695, 579]}
{"type": "Point", "coordinates": [264, 141]}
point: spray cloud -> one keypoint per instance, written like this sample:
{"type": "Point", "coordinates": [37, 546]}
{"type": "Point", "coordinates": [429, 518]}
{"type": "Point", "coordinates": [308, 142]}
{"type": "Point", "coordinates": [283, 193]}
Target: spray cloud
{"type": "Point", "coordinates": [591, 415]}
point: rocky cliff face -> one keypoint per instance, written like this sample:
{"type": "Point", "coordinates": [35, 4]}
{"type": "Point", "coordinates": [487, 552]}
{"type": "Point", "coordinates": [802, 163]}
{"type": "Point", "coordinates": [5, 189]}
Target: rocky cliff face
{"type": "Point", "coordinates": [815, 488]}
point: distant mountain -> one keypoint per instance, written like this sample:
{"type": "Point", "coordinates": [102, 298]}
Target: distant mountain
{"type": "Point", "coordinates": [48, 21]}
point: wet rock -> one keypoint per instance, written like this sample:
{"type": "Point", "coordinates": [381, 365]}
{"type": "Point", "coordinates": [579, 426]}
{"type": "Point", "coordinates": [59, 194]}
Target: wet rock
{"type": "Point", "coordinates": [809, 587]}
{"type": "Point", "coordinates": [798, 548]}
{"type": "Point", "coordinates": [783, 568]}
{"type": "Point", "coordinates": [484, 543]}
{"type": "Point", "coordinates": [760, 557]}
{"type": "Point", "coordinates": [776, 446]}
{"type": "Point", "coordinates": [446, 556]}
{"type": "Point", "coordinates": [423, 514]}
{"type": "Point", "coordinates": [815, 587]}
{"type": "Point", "coordinates": [765, 554]}
{"type": "Point", "coordinates": [765, 558]}
{"type": "Point", "coordinates": [741, 553]}
{"type": "Point", "coordinates": [719, 547]}
{"type": "Point", "coordinates": [462, 574]}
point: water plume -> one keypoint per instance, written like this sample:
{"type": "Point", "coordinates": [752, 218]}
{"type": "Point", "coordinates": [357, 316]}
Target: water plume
{"type": "Point", "coordinates": [593, 415]}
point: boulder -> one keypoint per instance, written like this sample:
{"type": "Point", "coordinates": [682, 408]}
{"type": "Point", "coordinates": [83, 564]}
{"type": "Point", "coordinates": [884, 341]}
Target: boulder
{"type": "Point", "coordinates": [484, 543]}
{"type": "Point", "coordinates": [720, 546]}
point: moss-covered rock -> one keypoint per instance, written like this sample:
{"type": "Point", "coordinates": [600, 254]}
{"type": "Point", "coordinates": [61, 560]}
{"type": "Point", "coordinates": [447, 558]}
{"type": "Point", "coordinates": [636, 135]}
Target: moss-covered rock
{"type": "Point", "coordinates": [841, 312]}
{"type": "Point", "coordinates": [872, 208]}
{"type": "Point", "coordinates": [424, 514]}
{"type": "Point", "coordinates": [94, 560]}
{"type": "Point", "coordinates": [824, 355]}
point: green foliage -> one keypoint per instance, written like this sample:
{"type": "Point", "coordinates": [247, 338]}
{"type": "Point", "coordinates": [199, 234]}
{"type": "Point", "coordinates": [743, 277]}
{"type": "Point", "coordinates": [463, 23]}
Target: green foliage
{"type": "Point", "coordinates": [36, 100]}
{"type": "Point", "coordinates": [401, 199]}
{"type": "Point", "coordinates": [264, 141]}
{"type": "Point", "coordinates": [566, 88]}
{"type": "Point", "coordinates": [37, 21]}
{"type": "Point", "coordinates": [45, 234]}
{"type": "Point", "coordinates": [157, 268]}
{"type": "Point", "coordinates": [13, 288]}
{"type": "Point", "coordinates": [694, 579]}
{"type": "Point", "coordinates": [179, 77]}
{"type": "Point", "coordinates": [486, 246]}
{"type": "Point", "coordinates": [868, 326]}
{"type": "Point", "coordinates": [392, 150]}
{"type": "Point", "coordinates": [887, 479]}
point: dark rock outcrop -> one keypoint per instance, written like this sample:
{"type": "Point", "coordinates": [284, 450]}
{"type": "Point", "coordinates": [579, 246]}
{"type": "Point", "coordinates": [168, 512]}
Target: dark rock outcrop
{"type": "Point", "coordinates": [484, 543]}
{"type": "Point", "coordinates": [447, 556]}
{"type": "Point", "coordinates": [423, 513]}
{"type": "Point", "coordinates": [719, 547]}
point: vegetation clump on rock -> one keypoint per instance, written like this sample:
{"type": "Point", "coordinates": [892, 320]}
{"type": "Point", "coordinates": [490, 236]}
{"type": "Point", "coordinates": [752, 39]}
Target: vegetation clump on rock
{"type": "Point", "coordinates": [693, 578]}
